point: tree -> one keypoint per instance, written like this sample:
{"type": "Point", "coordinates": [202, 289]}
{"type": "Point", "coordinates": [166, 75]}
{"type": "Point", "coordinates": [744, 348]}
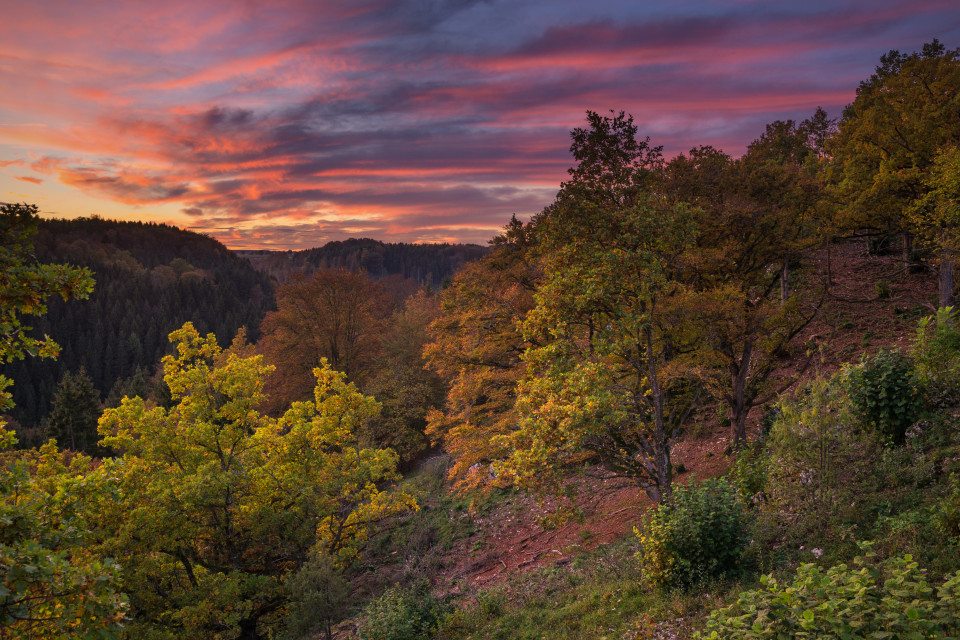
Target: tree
{"type": "Point", "coordinates": [936, 216]}
{"type": "Point", "coordinates": [889, 137]}
{"type": "Point", "coordinates": [402, 384]}
{"type": "Point", "coordinates": [335, 315]}
{"type": "Point", "coordinates": [608, 375]}
{"type": "Point", "coordinates": [754, 216]}
{"type": "Point", "coordinates": [25, 286]}
{"type": "Point", "coordinates": [76, 410]}
{"type": "Point", "coordinates": [217, 503]}
{"type": "Point", "coordinates": [319, 597]}
{"type": "Point", "coordinates": [477, 346]}
{"type": "Point", "coordinates": [52, 586]}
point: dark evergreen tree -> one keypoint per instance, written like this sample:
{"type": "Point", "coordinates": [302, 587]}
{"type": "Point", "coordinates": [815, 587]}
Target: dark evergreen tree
{"type": "Point", "coordinates": [76, 410]}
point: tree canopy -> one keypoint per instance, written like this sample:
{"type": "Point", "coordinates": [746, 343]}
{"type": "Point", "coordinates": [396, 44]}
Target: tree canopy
{"type": "Point", "coordinates": [215, 503]}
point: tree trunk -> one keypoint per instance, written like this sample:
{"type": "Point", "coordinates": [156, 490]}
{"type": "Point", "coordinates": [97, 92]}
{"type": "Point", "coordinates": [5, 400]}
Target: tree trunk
{"type": "Point", "coordinates": [661, 443]}
{"type": "Point", "coordinates": [739, 408]}
{"type": "Point", "coordinates": [663, 487]}
{"type": "Point", "coordinates": [946, 281]}
{"type": "Point", "coordinates": [907, 248]}
{"type": "Point", "coordinates": [785, 281]}
{"type": "Point", "coordinates": [248, 629]}
{"type": "Point", "coordinates": [829, 264]}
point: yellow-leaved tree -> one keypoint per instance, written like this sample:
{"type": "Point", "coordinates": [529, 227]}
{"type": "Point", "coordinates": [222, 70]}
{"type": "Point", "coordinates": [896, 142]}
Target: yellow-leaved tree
{"type": "Point", "coordinates": [215, 503]}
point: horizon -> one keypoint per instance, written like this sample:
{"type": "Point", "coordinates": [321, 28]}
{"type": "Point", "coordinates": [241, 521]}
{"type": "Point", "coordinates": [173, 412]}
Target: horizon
{"type": "Point", "coordinates": [287, 126]}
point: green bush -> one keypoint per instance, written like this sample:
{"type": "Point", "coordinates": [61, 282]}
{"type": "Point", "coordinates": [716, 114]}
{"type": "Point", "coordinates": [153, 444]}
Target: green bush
{"type": "Point", "coordinates": [936, 352]}
{"type": "Point", "coordinates": [948, 509]}
{"type": "Point", "coordinates": [886, 391]}
{"type": "Point", "coordinates": [319, 597]}
{"type": "Point", "coordinates": [818, 458]}
{"type": "Point", "coordinates": [402, 614]}
{"type": "Point", "coordinates": [749, 473]}
{"type": "Point", "coordinates": [892, 599]}
{"type": "Point", "coordinates": [699, 533]}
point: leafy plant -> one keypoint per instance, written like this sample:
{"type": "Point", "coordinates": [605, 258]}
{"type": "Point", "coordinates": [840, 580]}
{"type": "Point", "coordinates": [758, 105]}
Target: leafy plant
{"type": "Point", "coordinates": [889, 599]}
{"type": "Point", "coordinates": [881, 289]}
{"type": "Point", "coordinates": [936, 353]}
{"type": "Point", "coordinates": [886, 391]}
{"type": "Point", "coordinates": [699, 533]}
{"type": "Point", "coordinates": [402, 614]}
{"type": "Point", "coordinates": [816, 453]}
{"type": "Point", "coordinates": [948, 510]}
{"type": "Point", "coordinates": [749, 472]}
{"type": "Point", "coordinates": [319, 594]}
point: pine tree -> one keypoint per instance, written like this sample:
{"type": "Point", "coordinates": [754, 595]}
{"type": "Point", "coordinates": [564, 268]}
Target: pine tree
{"type": "Point", "coordinates": [76, 410]}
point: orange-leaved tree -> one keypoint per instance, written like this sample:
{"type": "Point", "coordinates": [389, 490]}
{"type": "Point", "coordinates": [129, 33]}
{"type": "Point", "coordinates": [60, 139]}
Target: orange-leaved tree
{"type": "Point", "coordinates": [476, 347]}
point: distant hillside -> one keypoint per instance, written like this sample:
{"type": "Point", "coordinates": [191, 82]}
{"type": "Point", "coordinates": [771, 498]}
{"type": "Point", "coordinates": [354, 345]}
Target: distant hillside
{"type": "Point", "coordinates": [428, 264]}
{"type": "Point", "coordinates": [150, 279]}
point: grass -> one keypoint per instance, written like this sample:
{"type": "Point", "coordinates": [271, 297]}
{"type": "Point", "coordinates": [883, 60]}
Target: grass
{"type": "Point", "coordinates": [599, 595]}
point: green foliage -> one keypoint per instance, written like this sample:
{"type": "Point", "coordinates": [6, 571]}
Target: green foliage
{"type": "Point", "coordinates": [818, 456]}
{"type": "Point", "coordinates": [699, 533]}
{"type": "Point", "coordinates": [52, 584]}
{"type": "Point", "coordinates": [948, 509]}
{"type": "Point", "coordinates": [936, 215]}
{"type": "Point", "coordinates": [319, 597]}
{"type": "Point", "coordinates": [76, 409]}
{"type": "Point", "coordinates": [476, 348]}
{"type": "Point", "coordinates": [889, 599]}
{"type": "Point", "coordinates": [402, 384]}
{"type": "Point", "coordinates": [402, 614]}
{"type": "Point", "coordinates": [606, 373]}
{"type": "Point", "coordinates": [25, 287]}
{"type": "Point", "coordinates": [936, 354]}
{"type": "Point", "coordinates": [881, 289]}
{"type": "Point", "coordinates": [749, 472]}
{"type": "Point", "coordinates": [139, 299]}
{"type": "Point", "coordinates": [216, 503]}
{"type": "Point", "coordinates": [886, 392]}
{"type": "Point", "coordinates": [890, 135]}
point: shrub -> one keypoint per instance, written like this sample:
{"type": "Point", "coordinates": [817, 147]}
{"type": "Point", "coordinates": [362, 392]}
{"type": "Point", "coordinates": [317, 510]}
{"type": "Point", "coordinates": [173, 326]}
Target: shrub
{"type": "Point", "coordinates": [948, 509]}
{"type": "Point", "coordinates": [892, 599]}
{"type": "Point", "coordinates": [817, 455]}
{"type": "Point", "coordinates": [886, 391]}
{"type": "Point", "coordinates": [319, 596]}
{"type": "Point", "coordinates": [936, 352]}
{"type": "Point", "coordinates": [699, 533]}
{"type": "Point", "coordinates": [882, 289]}
{"type": "Point", "coordinates": [402, 614]}
{"type": "Point", "coordinates": [749, 473]}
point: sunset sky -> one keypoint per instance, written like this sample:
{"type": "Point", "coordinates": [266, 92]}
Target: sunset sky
{"type": "Point", "coordinates": [286, 124]}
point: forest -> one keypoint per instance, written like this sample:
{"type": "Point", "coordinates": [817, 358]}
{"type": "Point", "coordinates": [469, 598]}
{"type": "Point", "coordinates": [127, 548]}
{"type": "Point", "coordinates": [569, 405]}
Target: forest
{"type": "Point", "coordinates": [707, 396]}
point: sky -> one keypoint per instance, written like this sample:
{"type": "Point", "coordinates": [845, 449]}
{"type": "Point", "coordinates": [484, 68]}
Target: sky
{"type": "Point", "coordinates": [288, 124]}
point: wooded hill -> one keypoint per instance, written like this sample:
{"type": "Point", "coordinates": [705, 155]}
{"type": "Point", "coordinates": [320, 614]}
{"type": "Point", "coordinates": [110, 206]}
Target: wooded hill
{"type": "Point", "coordinates": [427, 264]}
{"type": "Point", "coordinates": [150, 279]}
